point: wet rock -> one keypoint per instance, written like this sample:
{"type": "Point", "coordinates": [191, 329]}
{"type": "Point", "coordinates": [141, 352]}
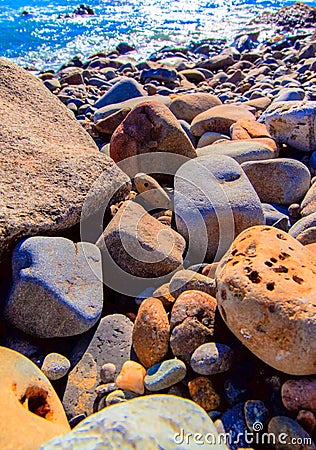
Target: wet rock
{"type": "Point", "coordinates": [123, 90]}
{"type": "Point", "coordinates": [57, 288]}
{"type": "Point", "coordinates": [191, 323]}
{"type": "Point", "coordinates": [188, 106]}
{"type": "Point", "coordinates": [158, 425]}
{"type": "Point", "coordinates": [150, 127]}
{"type": "Point", "coordinates": [164, 375]}
{"type": "Point", "coordinates": [282, 180]}
{"type": "Point", "coordinates": [31, 412]}
{"type": "Point", "coordinates": [211, 359]}
{"type": "Point", "coordinates": [263, 286]}
{"type": "Point", "coordinates": [203, 393]}
{"type": "Point", "coordinates": [55, 366]}
{"type": "Point", "coordinates": [151, 332]}
{"type": "Point", "coordinates": [111, 342]}
{"type": "Point", "coordinates": [210, 209]}
{"type": "Point", "coordinates": [299, 394]}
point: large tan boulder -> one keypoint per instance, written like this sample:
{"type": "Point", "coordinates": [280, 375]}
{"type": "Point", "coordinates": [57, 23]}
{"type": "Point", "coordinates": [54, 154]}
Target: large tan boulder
{"type": "Point", "coordinates": [150, 127]}
{"type": "Point", "coordinates": [187, 106]}
{"type": "Point", "coordinates": [48, 163]}
{"type": "Point", "coordinates": [30, 411]}
{"type": "Point", "coordinates": [266, 296]}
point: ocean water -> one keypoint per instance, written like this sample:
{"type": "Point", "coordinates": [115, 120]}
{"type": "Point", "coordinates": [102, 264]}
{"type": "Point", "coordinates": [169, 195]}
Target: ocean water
{"type": "Point", "coordinates": [44, 40]}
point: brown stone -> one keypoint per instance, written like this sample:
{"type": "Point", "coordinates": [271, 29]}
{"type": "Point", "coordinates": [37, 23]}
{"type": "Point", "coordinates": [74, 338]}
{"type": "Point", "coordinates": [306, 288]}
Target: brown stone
{"type": "Point", "coordinates": [191, 323]}
{"type": "Point", "coordinates": [299, 394]}
{"type": "Point", "coordinates": [193, 75]}
{"type": "Point", "coordinates": [151, 332]}
{"type": "Point", "coordinates": [187, 280]}
{"type": "Point", "coordinates": [109, 124]}
{"type": "Point", "coordinates": [265, 294]}
{"type": "Point", "coordinates": [164, 295]}
{"type": "Point", "coordinates": [248, 129]}
{"type": "Point", "coordinates": [150, 127]}
{"type": "Point", "coordinates": [203, 393]}
{"type": "Point", "coordinates": [140, 244]}
{"type": "Point", "coordinates": [48, 163]}
{"type": "Point", "coordinates": [219, 119]}
{"type": "Point", "coordinates": [30, 410]}
{"type": "Point", "coordinates": [307, 420]}
{"type": "Point", "coordinates": [188, 106]}
{"type": "Point", "coordinates": [307, 237]}
{"type": "Point", "coordinates": [131, 377]}
{"type": "Point", "coordinates": [308, 205]}
{"type": "Point", "coordinates": [71, 76]}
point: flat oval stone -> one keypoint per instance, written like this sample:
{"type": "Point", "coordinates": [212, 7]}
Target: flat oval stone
{"type": "Point", "coordinates": [212, 358]}
{"type": "Point", "coordinates": [55, 366]}
{"type": "Point", "coordinates": [165, 374]}
{"type": "Point", "coordinates": [299, 394]}
{"type": "Point", "coordinates": [290, 431]}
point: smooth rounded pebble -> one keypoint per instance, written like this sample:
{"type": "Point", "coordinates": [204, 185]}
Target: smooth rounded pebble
{"type": "Point", "coordinates": [131, 377]}
{"type": "Point", "coordinates": [212, 358]}
{"type": "Point", "coordinates": [55, 366]}
{"type": "Point", "coordinates": [107, 372]}
{"type": "Point", "coordinates": [165, 374]}
{"type": "Point", "coordinates": [291, 432]}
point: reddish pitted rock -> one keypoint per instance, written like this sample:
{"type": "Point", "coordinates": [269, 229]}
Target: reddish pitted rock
{"type": "Point", "coordinates": [299, 394]}
{"type": "Point", "coordinates": [188, 106]}
{"type": "Point", "coordinates": [151, 332]}
{"type": "Point", "coordinates": [48, 163]}
{"type": "Point", "coordinates": [150, 127]}
{"type": "Point", "coordinates": [219, 119]}
{"type": "Point", "coordinates": [192, 323]}
{"type": "Point", "coordinates": [266, 297]}
{"type": "Point", "coordinates": [203, 393]}
{"type": "Point", "coordinates": [248, 129]}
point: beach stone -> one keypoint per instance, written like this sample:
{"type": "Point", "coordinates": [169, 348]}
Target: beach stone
{"type": "Point", "coordinates": [264, 284]}
{"type": "Point", "coordinates": [150, 127]}
{"type": "Point", "coordinates": [131, 239]}
{"type": "Point", "coordinates": [275, 218]}
{"type": "Point", "coordinates": [36, 199]}
{"type": "Point", "coordinates": [203, 393]}
{"type": "Point", "coordinates": [131, 377]}
{"type": "Point", "coordinates": [164, 294]}
{"type": "Point", "coordinates": [55, 366]}
{"type": "Point", "coordinates": [165, 374]}
{"type": "Point", "coordinates": [209, 207]}
{"type": "Point", "coordinates": [292, 123]}
{"type": "Point", "coordinates": [30, 410]}
{"type": "Point", "coordinates": [191, 323]}
{"type": "Point", "coordinates": [248, 129]}
{"type": "Point", "coordinates": [308, 205]}
{"type": "Point", "coordinates": [57, 287]}
{"type": "Point", "coordinates": [291, 432]}
{"type": "Point", "coordinates": [151, 332]}
{"type": "Point", "coordinates": [303, 225]}
{"type": "Point", "coordinates": [167, 423]}
{"type": "Point", "coordinates": [282, 180]}
{"type": "Point", "coordinates": [210, 137]}
{"type": "Point", "coordinates": [212, 358]}
{"type": "Point", "coordinates": [110, 342]}
{"type": "Point", "coordinates": [124, 89]}
{"type": "Point", "coordinates": [307, 420]}
{"type": "Point", "coordinates": [109, 124]}
{"type": "Point", "coordinates": [108, 373]}
{"type": "Point", "coordinates": [113, 398]}
{"type": "Point", "coordinates": [299, 394]}
{"type": "Point", "coordinates": [307, 237]}
{"type": "Point", "coordinates": [105, 389]}
{"type": "Point", "coordinates": [233, 422]}
{"type": "Point", "coordinates": [218, 62]}
{"type": "Point", "coordinates": [153, 195]}
{"type": "Point", "coordinates": [240, 151]}
{"type": "Point", "coordinates": [193, 75]}
{"type": "Point", "coordinates": [189, 280]}
{"type": "Point", "coordinates": [188, 106]}
{"type": "Point", "coordinates": [290, 95]}
{"type": "Point", "coordinates": [160, 74]}
{"type": "Point", "coordinates": [53, 85]}
{"type": "Point", "coordinates": [219, 119]}
{"type": "Point", "coordinates": [255, 411]}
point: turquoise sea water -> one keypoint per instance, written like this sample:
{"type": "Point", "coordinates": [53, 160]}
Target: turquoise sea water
{"type": "Point", "coordinates": [41, 39]}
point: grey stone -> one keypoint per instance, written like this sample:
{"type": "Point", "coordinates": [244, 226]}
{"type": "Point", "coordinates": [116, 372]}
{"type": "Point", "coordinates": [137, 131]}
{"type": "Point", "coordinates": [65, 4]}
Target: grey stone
{"type": "Point", "coordinates": [282, 180]}
{"type": "Point", "coordinates": [303, 224]}
{"type": "Point", "coordinates": [165, 374]}
{"type": "Point", "coordinates": [124, 89]}
{"type": "Point", "coordinates": [55, 366]}
{"type": "Point", "coordinates": [110, 343]}
{"type": "Point", "coordinates": [151, 422]}
{"type": "Point", "coordinates": [57, 288]}
{"type": "Point", "coordinates": [282, 425]}
{"type": "Point", "coordinates": [275, 218]}
{"type": "Point", "coordinates": [288, 95]}
{"type": "Point", "coordinates": [212, 358]}
{"type": "Point", "coordinates": [214, 201]}
{"type": "Point", "coordinates": [240, 151]}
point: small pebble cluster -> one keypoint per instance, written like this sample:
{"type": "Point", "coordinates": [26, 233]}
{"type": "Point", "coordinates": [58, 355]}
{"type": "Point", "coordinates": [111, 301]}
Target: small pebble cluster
{"type": "Point", "coordinates": [219, 337]}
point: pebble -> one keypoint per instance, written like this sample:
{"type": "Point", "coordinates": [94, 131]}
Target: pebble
{"type": "Point", "coordinates": [164, 375]}
{"type": "Point", "coordinates": [270, 265]}
{"type": "Point", "coordinates": [291, 432]}
{"type": "Point", "coordinates": [188, 106]}
{"type": "Point", "coordinates": [108, 373]}
{"type": "Point", "coordinates": [255, 412]}
{"type": "Point", "coordinates": [275, 218]}
{"type": "Point", "coordinates": [303, 225]}
{"type": "Point", "coordinates": [104, 389]}
{"type": "Point", "coordinates": [212, 358]}
{"type": "Point", "coordinates": [308, 205]}
{"type": "Point", "coordinates": [210, 137]}
{"type": "Point", "coordinates": [189, 280]}
{"type": "Point", "coordinates": [55, 366]}
{"type": "Point", "coordinates": [307, 420]}
{"type": "Point", "coordinates": [123, 90]}
{"type": "Point", "coordinates": [152, 194]}
{"type": "Point", "coordinates": [151, 332]}
{"type": "Point", "coordinates": [164, 295]}
{"type": "Point", "coordinates": [191, 323]}
{"type": "Point", "coordinates": [233, 422]}
{"type": "Point", "coordinates": [307, 236]}
{"type": "Point", "coordinates": [58, 281]}
{"type": "Point", "coordinates": [203, 393]}
{"type": "Point", "coordinates": [299, 394]}
{"type": "Point", "coordinates": [131, 377]}
{"type": "Point", "coordinates": [114, 397]}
